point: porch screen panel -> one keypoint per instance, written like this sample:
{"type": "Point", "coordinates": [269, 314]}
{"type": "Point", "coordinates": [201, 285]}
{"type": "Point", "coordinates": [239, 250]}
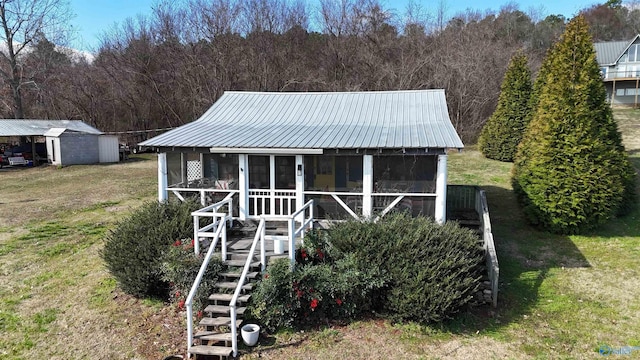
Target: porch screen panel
{"type": "Point", "coordinates": [259, 172]}
{"type": "Point", "coordinates": [174, 168]}
{"type": "Point", "coordinates": [399, 174]}
{"type": "Point", "coordinates": [221, 170]}
{"type": "Point", "coordinates": [333, 173]}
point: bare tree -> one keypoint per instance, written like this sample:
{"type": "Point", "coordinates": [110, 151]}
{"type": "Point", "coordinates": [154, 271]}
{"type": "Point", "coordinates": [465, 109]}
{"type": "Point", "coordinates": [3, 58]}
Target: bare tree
{"type": "Point", "coordinates": [23, 23]}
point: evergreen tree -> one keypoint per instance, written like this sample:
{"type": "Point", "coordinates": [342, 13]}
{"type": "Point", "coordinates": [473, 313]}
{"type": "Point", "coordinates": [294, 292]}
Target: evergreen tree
{"type": "Point", "coordinates": [503, 131]}
{"type": "Point", "coordinates": [571, 172]}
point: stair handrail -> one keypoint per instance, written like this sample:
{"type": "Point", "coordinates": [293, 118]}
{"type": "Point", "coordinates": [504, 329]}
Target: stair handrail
{"type": "Point", "coordinates": [221, 229]}
{"type": "Point", "coordinates": [211, 211]}
{"type": "Point", "coordinates": [260, 232]}
{"type": "Point", "coordinates": [294, 232]}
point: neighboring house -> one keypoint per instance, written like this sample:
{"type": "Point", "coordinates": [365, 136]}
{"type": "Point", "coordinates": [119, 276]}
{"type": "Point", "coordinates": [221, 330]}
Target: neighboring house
{"type": "Point", "coordinates": [68, 142]}
{"type": "Point", "coordinates": [355, 153]}
{"type": "Point", "coordinates": [620, 66]}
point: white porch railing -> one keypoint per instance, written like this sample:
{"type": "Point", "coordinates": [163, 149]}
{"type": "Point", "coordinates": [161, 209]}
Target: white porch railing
{"type": "Point", "coordinates": [221, 229]}
{"type": "Point", "coordinates": [271, 202]}
{"type": "Point", "coordinates": [207, 231]}
{"type": "Point", "coordinates": [206, 194]}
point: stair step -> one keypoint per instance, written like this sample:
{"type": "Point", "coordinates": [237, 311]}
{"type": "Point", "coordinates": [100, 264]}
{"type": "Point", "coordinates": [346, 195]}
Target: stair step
{"type": "Point", "coordinates": [221, 309]}
{"type": "Point", "coordinates": [250, 275]}
{"type": "Point", "coordinates": [240, 263]}
{"type": "Point", "coordinates": [218, 321]}
{"type": "Point", "coordinates": [211, 350]}
{"type": "Point", "coordinates": [228, 297]}
{"type": "Point", "coordinates": [233, 285]}
{"type": "Point", "coordinates": [213, 336]}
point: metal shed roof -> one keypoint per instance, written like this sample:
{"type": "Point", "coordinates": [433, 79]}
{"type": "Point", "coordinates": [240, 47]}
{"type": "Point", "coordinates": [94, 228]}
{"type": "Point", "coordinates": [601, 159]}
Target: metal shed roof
{"type": "Point", "coordinates": [608, 53]}
{"type": "Point", "coordinates": [332, 120]}
{"type": "Point", "coordinates": [27, 127]}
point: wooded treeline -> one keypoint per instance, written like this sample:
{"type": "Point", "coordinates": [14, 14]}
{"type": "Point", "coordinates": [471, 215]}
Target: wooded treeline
{"type": "Point", "coordinates": [166, 69]}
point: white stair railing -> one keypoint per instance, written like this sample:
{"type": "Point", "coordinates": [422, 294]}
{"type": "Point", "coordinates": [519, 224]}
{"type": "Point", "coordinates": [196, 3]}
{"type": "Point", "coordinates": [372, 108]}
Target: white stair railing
{"type": "Point", "coordinates": [307, 222]}
{"type": "Point", "coordinates": [260, 231]}
{"type": "Point", "coordinates": [220, 229]}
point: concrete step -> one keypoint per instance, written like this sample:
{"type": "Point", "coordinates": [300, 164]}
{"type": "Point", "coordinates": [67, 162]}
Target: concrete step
{"type": "Point", "coordinates": [222, 309]}
{"type": "Point", "coordinates": [211, 350]}
{"type": "Point", "coordinates": [212, 336]}
{"type": "Point", "coordinates": [228, 297]}
{"type": "Point", "coordinates": [218, 321]}
{"type": "Point", "coordinates": [233, 285]}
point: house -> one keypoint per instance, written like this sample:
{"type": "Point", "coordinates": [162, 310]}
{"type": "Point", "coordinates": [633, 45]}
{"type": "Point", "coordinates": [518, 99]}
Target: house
{"type": "Point", "coordinates": [357, 154]}
{"type": "Point", "coordinates": [620, 66]}
{"type": "Point", "coordinates": [68, 142]}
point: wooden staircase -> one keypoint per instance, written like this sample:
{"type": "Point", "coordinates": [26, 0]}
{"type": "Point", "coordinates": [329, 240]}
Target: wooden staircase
{"type": "Point", "coordinates": [214, 340]}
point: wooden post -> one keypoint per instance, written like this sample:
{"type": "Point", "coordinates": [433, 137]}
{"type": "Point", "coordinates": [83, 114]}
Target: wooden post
{"type": "Point", "coordinates": [613, 93]}
{"type": "Point", "coordinates": [636, 101]}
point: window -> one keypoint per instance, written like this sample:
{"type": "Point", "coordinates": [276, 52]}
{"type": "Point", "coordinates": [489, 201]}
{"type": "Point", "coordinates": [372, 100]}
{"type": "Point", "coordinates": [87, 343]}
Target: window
{"type": "Point", "coordinates": [631, 91]}
{"type": "Point", "coordinates": [633, 55]}
{"type": "Point", "coordinates": [620, 92]}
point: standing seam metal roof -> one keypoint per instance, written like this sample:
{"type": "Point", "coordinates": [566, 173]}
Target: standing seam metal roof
{"type": "Point", "coordinates": [28, 127]}
{"type": "Point", "coordinates": [338, 120]}
{"type": "Point", "coordinates": [608, 53]}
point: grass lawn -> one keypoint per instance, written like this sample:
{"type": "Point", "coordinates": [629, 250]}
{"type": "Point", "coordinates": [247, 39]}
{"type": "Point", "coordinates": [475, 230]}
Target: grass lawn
{"type": "Point", "coordinates": [560, 296]}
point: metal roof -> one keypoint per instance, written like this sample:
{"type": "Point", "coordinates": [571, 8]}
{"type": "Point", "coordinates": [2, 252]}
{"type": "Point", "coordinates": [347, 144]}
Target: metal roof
{"type": "Point", "coordinates": [331, 120]}
{"type": "Point", "coordinates": [27, 127]}
{"type": "Point", "coordinates": [608, 53]}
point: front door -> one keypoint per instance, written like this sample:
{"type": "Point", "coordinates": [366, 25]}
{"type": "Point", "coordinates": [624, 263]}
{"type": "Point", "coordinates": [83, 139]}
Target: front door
{"type": "Point", "coordinates": [272, 185]}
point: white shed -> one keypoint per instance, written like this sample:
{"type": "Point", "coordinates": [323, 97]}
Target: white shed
{"type": "Point", "coordinates": [69, 147]}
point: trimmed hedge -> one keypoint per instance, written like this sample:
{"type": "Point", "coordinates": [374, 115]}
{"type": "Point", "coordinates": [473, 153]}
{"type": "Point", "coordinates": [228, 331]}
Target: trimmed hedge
{"type": "Point", "coordinates": [133, 251]}
{"type": "Point", "coordinates": [433, 269]}
{"type": "Point", "coordinates": [401, 267]}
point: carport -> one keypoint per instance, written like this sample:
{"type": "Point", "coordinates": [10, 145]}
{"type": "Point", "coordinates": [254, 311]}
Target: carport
{"type": "Point", "coordinates": [32, 129]}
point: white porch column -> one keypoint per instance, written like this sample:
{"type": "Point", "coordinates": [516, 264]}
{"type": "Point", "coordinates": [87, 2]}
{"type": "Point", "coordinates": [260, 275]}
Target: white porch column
{"type": "Point", "coordinates": [441, 190]}
{"type": "Point", "coordinates": [163, 195]}
{"type": "Point", "coordinates": [243, 186]}
{"type": "Point", "coordinates": [367, 185]}
{"type": "Point", "coordinates": [299, 185]}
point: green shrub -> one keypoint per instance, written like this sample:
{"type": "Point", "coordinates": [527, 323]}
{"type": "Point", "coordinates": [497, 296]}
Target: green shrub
{"type": "Point", "coordinates": [571, 172]}
{"type": "Point", "coordinates": [180, 266]}
{"type": "Point", "coordinates": [432, 270]}
{"type": "Point", "coordinates": [319, 289]}
{"type": "Point", "coordinates": [133, 251]}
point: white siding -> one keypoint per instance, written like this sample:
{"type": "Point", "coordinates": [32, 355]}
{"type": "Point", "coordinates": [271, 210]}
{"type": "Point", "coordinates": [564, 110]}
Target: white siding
{"type": "Point", "coordinates": [108, 148]}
